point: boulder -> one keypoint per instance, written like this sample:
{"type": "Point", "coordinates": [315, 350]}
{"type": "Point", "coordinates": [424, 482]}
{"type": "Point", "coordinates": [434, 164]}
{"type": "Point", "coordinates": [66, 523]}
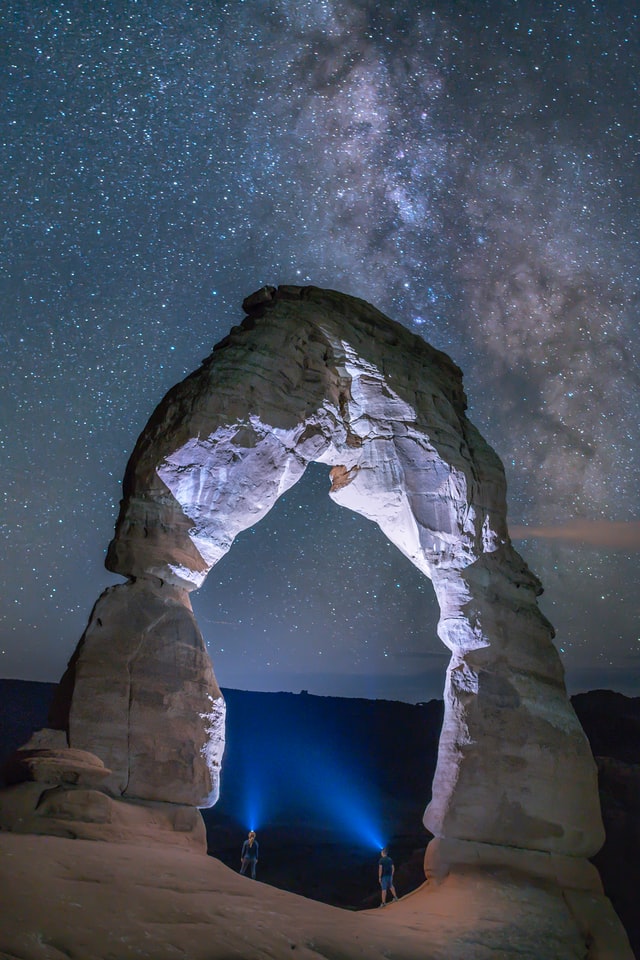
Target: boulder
{"type": "Point", "coordinates": [56, 766]}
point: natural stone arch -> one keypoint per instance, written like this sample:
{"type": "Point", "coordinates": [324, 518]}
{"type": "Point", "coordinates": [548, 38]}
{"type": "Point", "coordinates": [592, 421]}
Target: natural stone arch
{"type": "Point", "coordinates": [314, 375]}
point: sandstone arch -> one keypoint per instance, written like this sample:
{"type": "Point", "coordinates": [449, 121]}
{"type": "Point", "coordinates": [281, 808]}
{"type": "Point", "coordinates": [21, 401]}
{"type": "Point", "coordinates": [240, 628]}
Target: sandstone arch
{"type": "Point", "coordinates": [314, 375]}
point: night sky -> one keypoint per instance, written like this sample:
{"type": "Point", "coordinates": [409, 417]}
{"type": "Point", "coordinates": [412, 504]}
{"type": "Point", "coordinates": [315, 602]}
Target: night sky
{"type": "Point", "coordinates": [469, 168]}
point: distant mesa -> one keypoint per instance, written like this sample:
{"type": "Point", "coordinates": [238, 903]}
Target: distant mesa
{"type": "Point", "coordinates": [313, 375]}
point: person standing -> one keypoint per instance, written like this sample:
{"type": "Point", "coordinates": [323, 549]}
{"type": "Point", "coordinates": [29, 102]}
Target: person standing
{"type": "Point", "coordinates": [249, 855]}
{"type": "Point", "coordinates": [386, 870]}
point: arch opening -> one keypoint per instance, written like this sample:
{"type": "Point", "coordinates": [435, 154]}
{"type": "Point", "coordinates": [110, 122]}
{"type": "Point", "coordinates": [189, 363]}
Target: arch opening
{"type": "Point", "coordinates": [314, 597]}
{"type": "Point", "coordinates": [281, 748]}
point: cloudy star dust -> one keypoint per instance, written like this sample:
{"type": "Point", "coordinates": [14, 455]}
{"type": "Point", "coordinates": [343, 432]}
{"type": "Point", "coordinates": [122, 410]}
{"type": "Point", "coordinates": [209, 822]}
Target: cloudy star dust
{"type": "Point", "coordinates": [470, 169]}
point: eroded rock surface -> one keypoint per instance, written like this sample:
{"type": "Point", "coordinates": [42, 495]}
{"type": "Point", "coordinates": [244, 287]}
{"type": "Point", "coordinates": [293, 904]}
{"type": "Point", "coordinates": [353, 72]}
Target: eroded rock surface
{"type": "Point", "coordinates": [79, 812]}
{"type": "Point", "coordinates": [145, 698]}
{"type": "Point", "coordinates": [46, 765]}
{"type": "Point", "coordinates": [313, 375]}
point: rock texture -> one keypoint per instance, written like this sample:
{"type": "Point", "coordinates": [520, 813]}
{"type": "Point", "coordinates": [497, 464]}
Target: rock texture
{"type": "Point", "coordinates": [316, 375]}
{"type": "Point", "coordinates": [68, 766]}
{"type": "Point", "coordinates": [145, 698]}
{"type": "Point", "coordinates": [313, 375]}
{"type": "Point", "coordinates": [77, 812]}
{"type": "Point", "coordinates": [59, 791]}
{"type": "Point", "coordinates": [98, 901]}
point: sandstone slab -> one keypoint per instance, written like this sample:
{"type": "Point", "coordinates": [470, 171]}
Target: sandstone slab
{"type": "Point", "coordinates": [112, 901]}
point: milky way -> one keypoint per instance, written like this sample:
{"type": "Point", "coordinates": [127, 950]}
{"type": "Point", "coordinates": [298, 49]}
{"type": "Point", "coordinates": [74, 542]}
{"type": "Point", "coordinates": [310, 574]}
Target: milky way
{"type": "Point", "coordinates": [470, 169]}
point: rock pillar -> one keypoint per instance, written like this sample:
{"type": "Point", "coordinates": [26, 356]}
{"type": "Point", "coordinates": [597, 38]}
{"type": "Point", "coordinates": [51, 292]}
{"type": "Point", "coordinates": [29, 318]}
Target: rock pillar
{"type": "Point", "coordinates": [145, 699]}
{"type": "Point", "coordinates": [514, 765]}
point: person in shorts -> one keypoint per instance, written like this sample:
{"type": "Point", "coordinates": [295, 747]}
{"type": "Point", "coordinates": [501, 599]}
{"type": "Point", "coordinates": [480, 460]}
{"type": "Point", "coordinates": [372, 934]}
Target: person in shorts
{"type": "Point", "coordinates": [386, 871]}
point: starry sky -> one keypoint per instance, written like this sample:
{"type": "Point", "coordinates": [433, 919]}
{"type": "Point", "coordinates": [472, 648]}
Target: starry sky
{"type": "Point", "coordinates": [469, 168]}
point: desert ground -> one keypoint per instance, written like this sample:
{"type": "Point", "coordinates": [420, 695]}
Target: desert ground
{"type": "Point", "coordinates": [90, 900]}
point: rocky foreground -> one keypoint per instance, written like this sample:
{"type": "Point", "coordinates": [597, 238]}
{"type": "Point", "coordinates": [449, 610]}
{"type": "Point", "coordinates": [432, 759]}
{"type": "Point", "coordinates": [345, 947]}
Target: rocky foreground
{"type": "Point", "coordinates": [99, 901]}
{"type": "Point", "coordinates": [64, 897]}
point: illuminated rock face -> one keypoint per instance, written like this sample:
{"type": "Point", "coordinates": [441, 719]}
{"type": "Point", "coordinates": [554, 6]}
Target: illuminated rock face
{"type": "Point", "coordinates": [313, 375]}
{"type": "Point", "coordinates": [145, 699]}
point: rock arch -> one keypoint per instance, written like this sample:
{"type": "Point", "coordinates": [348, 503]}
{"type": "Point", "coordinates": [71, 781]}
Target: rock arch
{"type": "Point", "coordinates": [314, 375]}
